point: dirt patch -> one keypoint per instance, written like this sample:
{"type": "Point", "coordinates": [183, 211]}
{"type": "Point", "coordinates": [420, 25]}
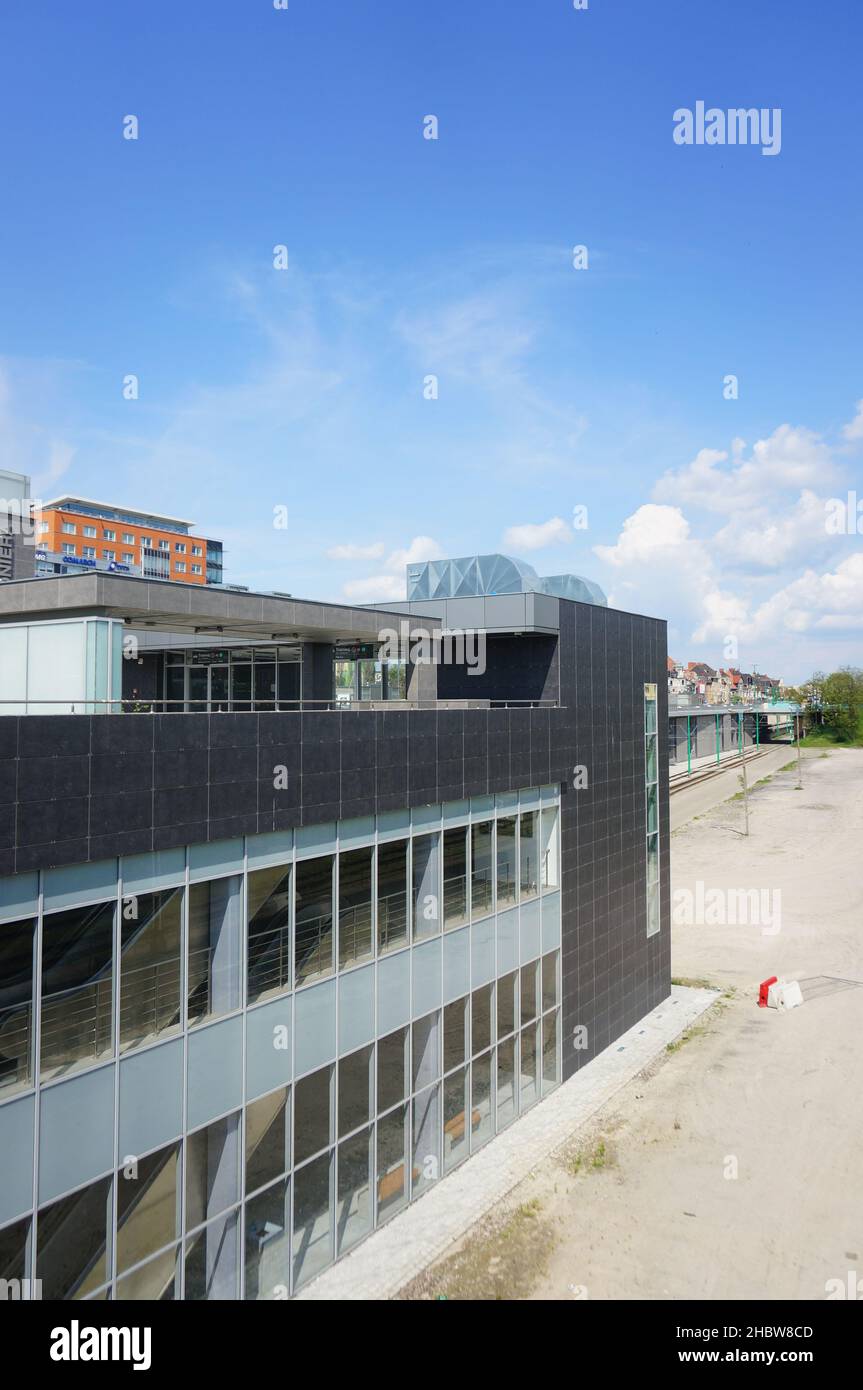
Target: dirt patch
{"type": "Point", "coordinates": [501, 1259]}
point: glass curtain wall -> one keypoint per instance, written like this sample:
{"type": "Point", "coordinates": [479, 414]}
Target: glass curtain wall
{"type": "Point", "coordinates": [240, 679]}
{"type": "Point", "coordinates": [651, 792]}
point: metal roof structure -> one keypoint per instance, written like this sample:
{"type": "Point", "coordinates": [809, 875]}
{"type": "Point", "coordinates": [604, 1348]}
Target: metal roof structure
{"type": "Point", "coordinates": [476, 576]}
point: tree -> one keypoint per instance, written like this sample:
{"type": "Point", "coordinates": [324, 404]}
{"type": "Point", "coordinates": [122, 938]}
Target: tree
{"type": "Point", "coordinates": [842, 703]}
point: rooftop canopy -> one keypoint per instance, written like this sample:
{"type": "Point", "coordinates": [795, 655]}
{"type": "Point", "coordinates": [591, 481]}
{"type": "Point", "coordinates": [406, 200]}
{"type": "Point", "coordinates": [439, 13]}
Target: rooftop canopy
{"type": "Point", "coordinates": [475, 576]}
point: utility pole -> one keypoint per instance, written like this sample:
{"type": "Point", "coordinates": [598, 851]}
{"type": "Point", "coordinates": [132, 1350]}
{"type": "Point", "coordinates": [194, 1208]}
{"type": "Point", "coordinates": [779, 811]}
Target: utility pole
{"type": "Point", "coordinates": [799, 764]}
{"type": "Point", "coordinates": [745, 792]}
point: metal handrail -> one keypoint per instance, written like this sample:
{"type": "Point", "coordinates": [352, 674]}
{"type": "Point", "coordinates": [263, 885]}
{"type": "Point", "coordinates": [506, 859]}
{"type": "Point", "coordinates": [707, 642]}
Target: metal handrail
{"type": "Point", "coordinates": [157, 705]}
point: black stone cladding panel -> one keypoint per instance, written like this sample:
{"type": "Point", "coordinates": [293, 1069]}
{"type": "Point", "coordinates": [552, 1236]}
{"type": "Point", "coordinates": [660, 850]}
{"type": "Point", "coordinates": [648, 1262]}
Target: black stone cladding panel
{"type": "Point", "coordinates": [78, 788]}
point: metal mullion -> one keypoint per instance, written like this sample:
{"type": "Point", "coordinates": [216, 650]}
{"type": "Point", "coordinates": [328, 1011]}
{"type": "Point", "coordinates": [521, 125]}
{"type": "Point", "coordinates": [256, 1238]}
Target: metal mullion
{"type": "Point", "coordinates": [180, 1273]}
{"type": "Point", "coordinates": [111, 1257]}
{"type": "Point", "coordinates": [37, 1069]}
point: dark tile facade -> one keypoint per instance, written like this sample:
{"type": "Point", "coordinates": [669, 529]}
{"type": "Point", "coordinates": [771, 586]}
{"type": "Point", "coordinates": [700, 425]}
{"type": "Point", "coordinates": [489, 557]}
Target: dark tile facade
{"type": "Point", "coordinates": [77, 788]}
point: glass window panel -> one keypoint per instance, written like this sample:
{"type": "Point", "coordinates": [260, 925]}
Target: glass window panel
{"type": "Point", "coordinates": [268, 1138]}
{"type": "Point", "coordinates": [241, 688]}
{"type": "Point", "coordinates": [528, 1068]}
{"type": "Point", "coordinates": [175, 688]}
{"type": "Point", "coordinates": [214, 948]}
{"type": "Point", "coordinates": [13, 1249]}
{"type": "Point", "coordinates": [265, 685]}
{"type": "Point", "coordinates": [16, 1009]}
{"type": "Point", "coordinates": [312, 1107]}
{"type": "Point", "coordinates": [392, 1170]}
{"type": "Point", "coordinates": [652, 909]}
{"type": "Point", "coordinates": [313, 1219]}
{"type": "Point", "coordinates": [198, 689]}
{"type": "Point", "coordinates": [355, 1090]}
{"type": "Point", "coordinates": [72, 1255]}
{"type": "Point", "coordinates": [426, 1049]}
{"type": "Point", "coordinates": [151, 937]}
{"type": "Point", "coordinates": [426, 885]}
{"type": "Point", "coordinates": [289, 684]}
{"type": "Point", "coordinates": [212, 1170]}
{"type": "Point", "coordinates": [356, 938]}
{"type": "Point", "coordinates": [313, 930]}
{"type": "Point", "coordinates": [550, 1061]}
{"type": "Point", "coordinates": [652, 808]}
{"type": "Point", "coordinates": [650, 758]}
{"type": "Point", "coordinates": [153, 1282]}
{"type": "Point", "coordinates": [267, 1257]}
{"type": "Point", "coordinates": [392, 895]}
{"type": "Point", "coordinates": [455, 1040]}
{"type": "Point", "coordinates": [345, 677]}
{"type": "Point", "coordinates": [652, 858]}
{"type": "Point", "coordinates": [482, 869]}
{"type": "Point", "coordinates": [482, 1004]}
{"type": "Point", "coordinates": [649, 716]}
{"type": "Point", "coordinates": [220, 687]}
{"type": "Point", "coordinates": [529, 854]}
{"type": "Point", "coordinates": [455, 877]}
{"type": "Point", "coordinates": [211, 1262]}
{"type": "Point", "coordinates": [528, 992]}
{"type": "Point", "coordinates": [427, 1136]}
{"type": "Point", "coordinates": [77, 967]}
{"type": "Point", "coordinates": [455, 1106]}
{"type": "Point", "coordinates": [148, 1206]}
{"type": "Point", "coordinates": [269, 945]}
{"type": "Point", "coordinates": [507, 872]}
{"type": "Point", "coordinates": [371, 680]}
{"type": "Point", "coordinates": [482, 1101]}
{"type": "Point", "coordinates": [397, 680]}
{"type": "Point", "coordinates": [392, 1069]}
{"type": "Point", "coordinates": [549, 981]}
{"type": "Point", "coordinates": [506, 988]}
{"type": "Point", "coordinates": [550, 851]}
{"type": "Point", "coordinates": [507, 1107]}
{"type": "Point", "coordinates": [354, 1194]}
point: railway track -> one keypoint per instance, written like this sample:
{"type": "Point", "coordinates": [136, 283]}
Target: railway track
{"type": "Point", "coordinates": [704, 774]}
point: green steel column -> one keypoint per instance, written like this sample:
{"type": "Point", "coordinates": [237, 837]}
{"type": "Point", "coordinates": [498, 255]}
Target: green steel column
{"type": "Point", "coordinates": [688, 744]}
{"type": "Point", "coordinates": [717, 737]}
{"type": "Point", "coordinates": [757, 731]}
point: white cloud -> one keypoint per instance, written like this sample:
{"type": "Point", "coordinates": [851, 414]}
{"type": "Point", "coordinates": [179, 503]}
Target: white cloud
{"type": "Point", "coordinates": [357, 552]}
{"type": "Point", "coordinates": [477, 338]}
{"type": "Point", "coordinates": [768, 537]}
{"type": "Point", "coordinates": [537, 536]}
{"type": "Point", "coordinates": [789, 459]}
{"type": "Point", "coordinates": [853, 431]}
{"type": "Point", "coordinates": [392, 584]}
{"type": "Point", "coordinates": [378, 588]}
{"type": "Point", "coordinates": [420, 549]}
{"type": "Point", "coordinates": [651, 533]}
{"type": "Point", "coordinates": [832, 600]}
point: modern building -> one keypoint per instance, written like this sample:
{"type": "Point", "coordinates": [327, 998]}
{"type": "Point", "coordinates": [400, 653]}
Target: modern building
{"type": "Point", "coordinates": [17, 539]}
{"type": "Point", "coordinates": [272, 963]}
{"type": "Point", "coordinates": [77, 533]}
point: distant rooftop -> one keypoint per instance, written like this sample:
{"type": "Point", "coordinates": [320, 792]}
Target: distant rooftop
{"type": "Point", "coordinates": [476, 576]}
{"type": "Point", "coordinates": [68, 502]}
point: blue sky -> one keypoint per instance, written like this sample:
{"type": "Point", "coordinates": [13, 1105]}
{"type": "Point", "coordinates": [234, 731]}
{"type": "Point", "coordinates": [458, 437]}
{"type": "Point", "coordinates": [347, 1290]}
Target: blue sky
{"type": "Point", "coordinates": [557, 387]}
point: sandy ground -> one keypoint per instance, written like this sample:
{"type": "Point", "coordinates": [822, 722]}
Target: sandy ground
{"type": "Point", "coordinates": [732, 1167]}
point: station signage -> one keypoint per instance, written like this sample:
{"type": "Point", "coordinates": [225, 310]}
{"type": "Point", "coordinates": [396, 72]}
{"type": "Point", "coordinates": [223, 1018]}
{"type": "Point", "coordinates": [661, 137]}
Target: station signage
{"type": "Point", "coordinates": [208, 656]}
{"type": "Point", "coordinates": [355, 651]}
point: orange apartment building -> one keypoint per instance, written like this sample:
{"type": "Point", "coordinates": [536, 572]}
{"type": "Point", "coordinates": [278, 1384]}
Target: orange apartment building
{"type": "Point", "coordinates": [78, 533]}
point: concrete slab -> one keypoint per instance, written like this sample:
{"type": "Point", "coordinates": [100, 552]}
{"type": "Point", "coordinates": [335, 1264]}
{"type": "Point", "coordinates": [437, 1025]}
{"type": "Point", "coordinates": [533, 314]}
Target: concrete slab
{"type": "Point", "coordinates": [395, 1254]}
